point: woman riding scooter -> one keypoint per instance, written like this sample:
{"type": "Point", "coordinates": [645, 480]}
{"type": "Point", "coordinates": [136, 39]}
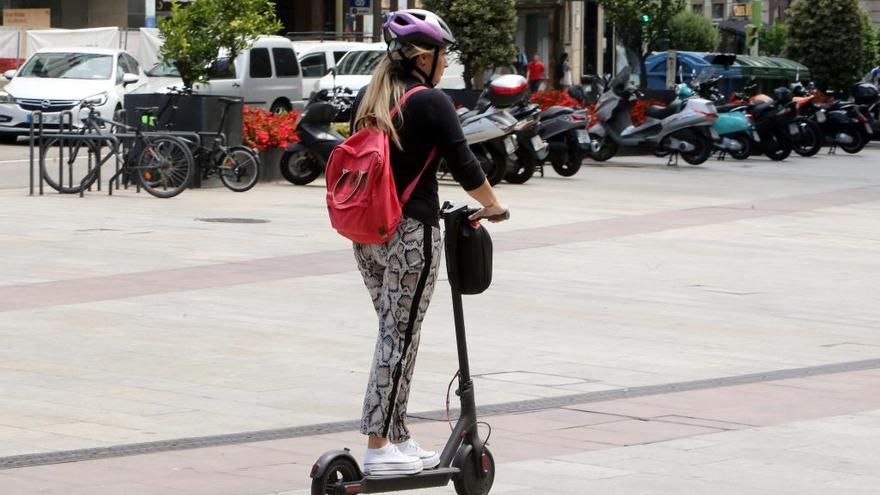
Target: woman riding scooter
{"type": "Point", "coordinates": [400, 273]}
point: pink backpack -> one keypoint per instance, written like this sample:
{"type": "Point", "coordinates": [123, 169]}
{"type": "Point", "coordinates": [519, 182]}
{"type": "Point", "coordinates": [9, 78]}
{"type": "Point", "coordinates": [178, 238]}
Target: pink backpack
{"type": "Point", "coordinates": [361, 193]}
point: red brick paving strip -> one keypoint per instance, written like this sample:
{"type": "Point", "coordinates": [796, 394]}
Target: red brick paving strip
{"type": "Point", "coordinates": [281, 465]}
{"type": "Point", "coordinates": [85, 290]}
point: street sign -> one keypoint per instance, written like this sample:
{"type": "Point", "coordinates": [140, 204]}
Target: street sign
{"type": "Point", "coordinates": [742, 10]}
{"type": "Point", "coordinates": [671, 63]}
{"type": "Point", "coordinates": [360, 7]}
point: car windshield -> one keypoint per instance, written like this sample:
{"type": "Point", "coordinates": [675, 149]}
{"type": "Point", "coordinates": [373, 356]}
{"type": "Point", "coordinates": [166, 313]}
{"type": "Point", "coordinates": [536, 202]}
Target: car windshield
{"type": "Point", "coordinates": [163, 69]}
{"type": "Point", "coordinates": [359, 63]}
{"type": "Point", "coordinates": [69, 66]}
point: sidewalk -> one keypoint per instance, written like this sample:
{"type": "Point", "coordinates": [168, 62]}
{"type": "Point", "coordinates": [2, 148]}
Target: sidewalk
{"type": "Point", "coordinates": [813, 435]}
{"type": "Point", "coordinates": [128, 320]}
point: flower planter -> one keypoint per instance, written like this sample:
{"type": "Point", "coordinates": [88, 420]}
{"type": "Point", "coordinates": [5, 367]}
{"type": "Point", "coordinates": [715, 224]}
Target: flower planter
{"type": "Point", "coordinates": [194, 113]}
{"type": "Point", "coordinates": [270, 160]}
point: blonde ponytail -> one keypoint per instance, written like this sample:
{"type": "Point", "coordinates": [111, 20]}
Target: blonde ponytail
{"type": "Point", "coordinates": [383, 93]}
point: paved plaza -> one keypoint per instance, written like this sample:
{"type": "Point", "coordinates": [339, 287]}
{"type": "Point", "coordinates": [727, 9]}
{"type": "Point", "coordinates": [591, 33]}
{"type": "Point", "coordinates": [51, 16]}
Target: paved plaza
{"type": "Point", "coordinates": [650, 330]}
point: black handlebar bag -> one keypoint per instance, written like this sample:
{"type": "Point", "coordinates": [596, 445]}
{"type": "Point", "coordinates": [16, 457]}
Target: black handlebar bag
{"type": "Point", "coordinates": [469, 257]}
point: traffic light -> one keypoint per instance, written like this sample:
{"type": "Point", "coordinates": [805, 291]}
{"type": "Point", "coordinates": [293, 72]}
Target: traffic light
{"type": "Point", "coordinates": [646, 18]}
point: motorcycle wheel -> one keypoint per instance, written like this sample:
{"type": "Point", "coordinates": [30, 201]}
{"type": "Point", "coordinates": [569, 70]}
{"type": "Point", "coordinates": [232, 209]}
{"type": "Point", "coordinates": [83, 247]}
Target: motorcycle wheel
{"type": "Point", "coordinates": [493, 160]}
{"type": "Point", "coordinates": [573, 160]}
{"type": "Point", "coordinates": [607, 148]}
{"type": "Point", "coordinates": [777, 148]}
{"type": "Point", "coordinates": [523, 168]}
{"type": "Point", "coordinates": [702, 146]}
{"type": "Point", "coordinates": [299, 167]}
{"type": "Point", "coordinates": [860, 139]}
{"type": "Point", "coordinates": [810, 140]}
{"type": "Point", "coordinates": [745, 142]}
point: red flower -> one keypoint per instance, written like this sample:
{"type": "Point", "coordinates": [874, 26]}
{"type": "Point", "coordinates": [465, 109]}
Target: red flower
{"type": "Point", "coordinates": [263, 130]}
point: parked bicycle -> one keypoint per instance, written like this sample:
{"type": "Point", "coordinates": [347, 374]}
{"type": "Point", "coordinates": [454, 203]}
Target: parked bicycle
{"type": "Point", "coordinates": [162, 164]}
{"type": "Point", "coordinates": [238, 167]}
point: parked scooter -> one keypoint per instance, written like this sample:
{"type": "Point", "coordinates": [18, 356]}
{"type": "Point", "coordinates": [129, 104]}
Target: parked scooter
{"type": "Point", "coordinates": [734, 126]}
{"type": "Point", "coordinates": [838, 122]}
{"type": "Point", "coordinates": [679, 129]}
{"type": "Point", "coordinates": [531, 150]}
{"type": "Point", "coordinates": [565, 131]}
{"type": "Point", "coordinates": [489, 128]}
{"type": "Point", "coordinates": [305, 160]}
{"type": "Point", "coordinates": [867, 97]}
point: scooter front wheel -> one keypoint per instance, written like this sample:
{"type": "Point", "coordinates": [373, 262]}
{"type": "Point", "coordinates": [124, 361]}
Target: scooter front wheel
{"type": "Point", "coordinates": [340, 470]}
{"type": "Point", "coordinates": [299, 167]}
{"type": "Point", "coordinates": [477, 475]}
{"type": "Point", "coordinates": [607, 148]}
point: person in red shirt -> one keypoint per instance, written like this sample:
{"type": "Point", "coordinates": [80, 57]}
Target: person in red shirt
{"type": "Point", "coordinates": [536, 73]}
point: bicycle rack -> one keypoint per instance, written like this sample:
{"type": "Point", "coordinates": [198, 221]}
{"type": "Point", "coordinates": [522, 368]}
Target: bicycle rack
{"type": "Point", "coordinates": [65, 134]}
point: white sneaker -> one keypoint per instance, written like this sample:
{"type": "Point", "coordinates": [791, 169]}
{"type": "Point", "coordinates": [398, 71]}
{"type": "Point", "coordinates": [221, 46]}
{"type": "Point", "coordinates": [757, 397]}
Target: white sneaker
{"type": "Point", "coordinates": [389, 461]}
{"type": "Point", "coordinates": [430, 460]}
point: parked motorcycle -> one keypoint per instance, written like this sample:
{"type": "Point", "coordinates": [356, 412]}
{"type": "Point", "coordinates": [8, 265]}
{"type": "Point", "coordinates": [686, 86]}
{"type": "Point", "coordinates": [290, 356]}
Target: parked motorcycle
{"type": "Point", "coordinates": [305, 160]}
{"type": "Point", "coordinates": [682, 129]}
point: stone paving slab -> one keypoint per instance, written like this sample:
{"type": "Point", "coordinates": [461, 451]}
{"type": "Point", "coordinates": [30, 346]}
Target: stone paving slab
{"type": "Point", "coordinates": [581, 449]}
{"type": "Point", "coordinates": [159, 326]}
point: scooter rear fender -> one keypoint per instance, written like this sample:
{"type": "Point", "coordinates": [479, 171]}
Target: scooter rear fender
{"type": "Point", "coordinates": [324, 461]}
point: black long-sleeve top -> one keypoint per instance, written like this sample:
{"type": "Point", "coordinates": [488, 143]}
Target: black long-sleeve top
{"type": "Point", "coordinates": [429, 120]}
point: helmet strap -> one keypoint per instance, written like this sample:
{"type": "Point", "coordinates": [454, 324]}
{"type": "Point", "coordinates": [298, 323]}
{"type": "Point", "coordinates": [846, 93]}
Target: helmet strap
{"type": "Point", "coordinates": [410, 65]}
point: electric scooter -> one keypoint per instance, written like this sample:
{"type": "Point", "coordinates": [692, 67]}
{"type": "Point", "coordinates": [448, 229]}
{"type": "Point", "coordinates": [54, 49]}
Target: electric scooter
{"type": "Point", "coordinates": [681, 128]}
{"type": "Point", "coordinates": [465, 460]}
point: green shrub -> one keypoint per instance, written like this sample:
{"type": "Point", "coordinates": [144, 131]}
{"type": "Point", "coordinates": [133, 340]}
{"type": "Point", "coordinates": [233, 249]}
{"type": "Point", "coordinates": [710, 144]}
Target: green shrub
{"type": "Point", "coordinates": [197, 34]}
{"type": "Point", "coordinates": [689, 31]}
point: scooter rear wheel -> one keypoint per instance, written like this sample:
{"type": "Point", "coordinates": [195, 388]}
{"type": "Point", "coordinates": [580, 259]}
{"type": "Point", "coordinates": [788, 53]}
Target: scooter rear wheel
{"type": "Point", "coordinates": [702, 146]}
{"type": "Point", "coordinates": [776, 147]}
{"type": "Point", "coordinates": [339, 470]}
{"type": "Point", "coordinates": [745, 146]}
{"type": "Point", "coordinates": [299, 168]}
{"type": "Point", "coordinates": [472, 481]}
{"type": "Point", "coordinates": [860, 139]}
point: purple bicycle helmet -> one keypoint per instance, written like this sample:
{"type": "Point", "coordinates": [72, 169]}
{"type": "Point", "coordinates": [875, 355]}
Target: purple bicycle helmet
{"type": "Point", "coordinates": [416, 27]}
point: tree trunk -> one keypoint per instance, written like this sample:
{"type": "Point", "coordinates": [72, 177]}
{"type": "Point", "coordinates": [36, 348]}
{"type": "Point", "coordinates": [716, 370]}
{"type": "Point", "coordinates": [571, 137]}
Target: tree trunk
{"type": "Point", "coordinates": [478, 71]}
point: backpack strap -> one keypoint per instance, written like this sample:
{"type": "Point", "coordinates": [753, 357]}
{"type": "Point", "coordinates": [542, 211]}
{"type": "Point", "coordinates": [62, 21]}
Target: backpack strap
{"type": "Point", "coordinates": [431, 156]}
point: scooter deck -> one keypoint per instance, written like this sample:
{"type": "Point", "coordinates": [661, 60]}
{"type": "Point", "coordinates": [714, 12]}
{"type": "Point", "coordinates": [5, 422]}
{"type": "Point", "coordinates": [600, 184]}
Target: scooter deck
{"type": "Point", "coordinates": [426, 479]}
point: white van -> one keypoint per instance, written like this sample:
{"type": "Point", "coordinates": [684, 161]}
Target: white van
{"type": "Point", "coordinates": [317, 57]}
{"type": "Point", "coordinates": [266, 75]}
{"type": "Point", "coordinates": [356, 68]}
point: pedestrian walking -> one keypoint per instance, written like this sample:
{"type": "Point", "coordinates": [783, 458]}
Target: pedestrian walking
{"type": "Point", "coordinates": [563, 72]}
{"type": "Point", "coordinates": [536, 73]}
{"type": "Point", "coordinates": [421, 124]}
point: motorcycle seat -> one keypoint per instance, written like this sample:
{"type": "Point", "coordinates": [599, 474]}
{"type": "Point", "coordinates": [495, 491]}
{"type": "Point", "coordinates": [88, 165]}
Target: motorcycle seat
{"type": "Point", "coordinates": [661, 113]}
{"type": "Point", "coordinates": [555, 111]}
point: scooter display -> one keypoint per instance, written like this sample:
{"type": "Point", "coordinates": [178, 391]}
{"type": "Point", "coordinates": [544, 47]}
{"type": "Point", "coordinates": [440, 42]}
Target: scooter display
{"type": "Point", "coordinates": [304, 160]}
{"type": "Point", "coordinates": [466, 459]}
{"type": "Point", "coordinates": [682, 128]}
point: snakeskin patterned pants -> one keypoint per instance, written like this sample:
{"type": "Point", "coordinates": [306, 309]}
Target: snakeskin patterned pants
{"type": "Point", "coordinates": [400, 276]}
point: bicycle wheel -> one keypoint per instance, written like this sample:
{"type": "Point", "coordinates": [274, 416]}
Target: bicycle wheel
{"type": "Point", "coordinates": [239, 168]}
{"type": "Point", "coordinates": [69, 166]}
{"type": "Point", "coordinates": [165, 166]}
